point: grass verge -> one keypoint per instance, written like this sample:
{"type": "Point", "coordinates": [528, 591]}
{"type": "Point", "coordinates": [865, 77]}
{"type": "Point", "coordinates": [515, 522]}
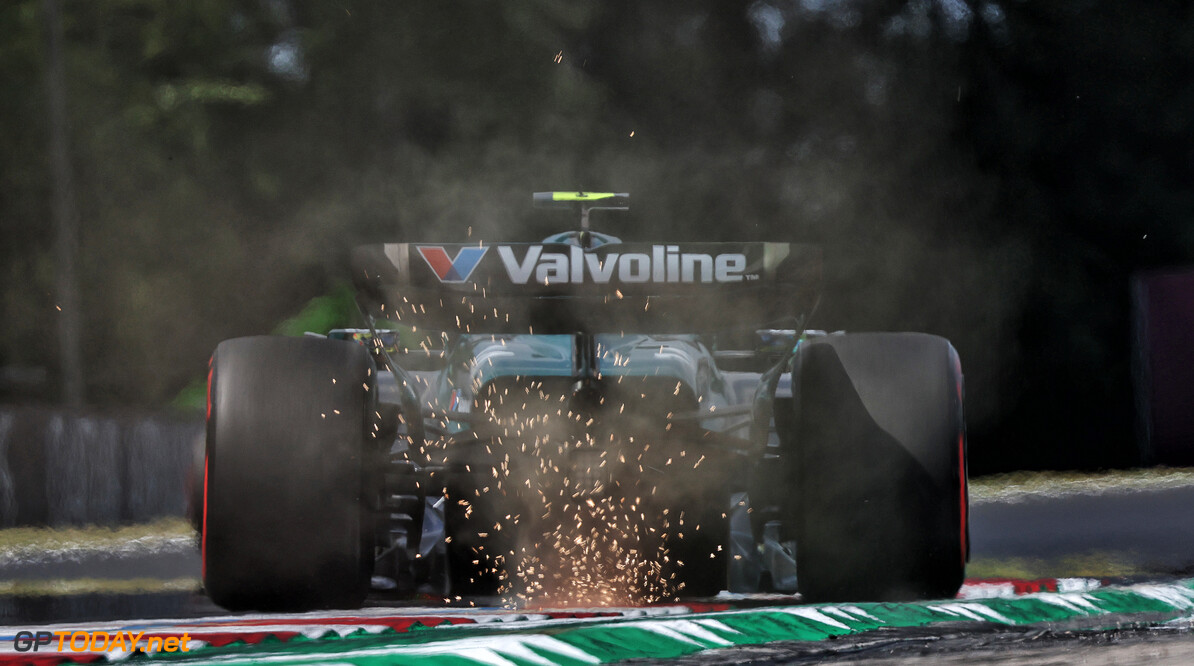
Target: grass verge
{"type": "Point", "coordinates": [39, 542]}
{"type": "Point", "coordinates": [1015, 486]}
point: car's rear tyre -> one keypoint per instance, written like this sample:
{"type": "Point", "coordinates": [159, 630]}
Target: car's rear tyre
{"type": "Point", "coordinates": [285, 516]}
{"type": "Point", "coordinates": [880, 506]}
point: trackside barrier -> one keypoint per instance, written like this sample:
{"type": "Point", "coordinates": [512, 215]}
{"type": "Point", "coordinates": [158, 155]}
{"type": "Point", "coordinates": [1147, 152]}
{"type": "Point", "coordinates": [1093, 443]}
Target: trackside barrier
{"type": "Point", "coordinates": [62, 468]}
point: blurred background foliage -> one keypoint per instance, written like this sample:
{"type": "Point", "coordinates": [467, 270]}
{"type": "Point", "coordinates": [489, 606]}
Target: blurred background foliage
{"type": "Point", "coordinates": [989, 171]}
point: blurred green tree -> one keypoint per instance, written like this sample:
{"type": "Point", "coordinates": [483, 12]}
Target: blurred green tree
{"type": "Point", "coordinates": [980, 170]}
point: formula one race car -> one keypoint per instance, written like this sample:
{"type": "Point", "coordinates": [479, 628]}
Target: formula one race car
{"type": "Point", "coordinates": [583, 421]}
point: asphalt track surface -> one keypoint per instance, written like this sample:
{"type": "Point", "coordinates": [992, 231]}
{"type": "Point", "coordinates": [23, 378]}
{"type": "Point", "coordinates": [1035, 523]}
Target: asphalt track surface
{"type": "Point", "coordinates": [1117, 536]}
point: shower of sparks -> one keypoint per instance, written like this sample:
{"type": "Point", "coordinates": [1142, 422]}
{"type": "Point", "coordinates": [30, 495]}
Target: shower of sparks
{"type": "Point", "coordinates": [562, 514]}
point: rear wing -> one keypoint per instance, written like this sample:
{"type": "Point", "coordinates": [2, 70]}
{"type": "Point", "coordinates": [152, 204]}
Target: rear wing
{"type": "Point", "coordinates": [564, 288]}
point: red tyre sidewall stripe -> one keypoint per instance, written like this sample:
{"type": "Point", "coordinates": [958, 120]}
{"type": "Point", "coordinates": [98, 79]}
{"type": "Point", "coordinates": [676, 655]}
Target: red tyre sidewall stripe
{"type": "Point", "coordinates": [206, 464]}
{"type": "Point", "coordinates": [962, 500]}
{"type": "Point", "coordinates": [203, 537]}
{"type": "Point", "coordinates": [963, 504]}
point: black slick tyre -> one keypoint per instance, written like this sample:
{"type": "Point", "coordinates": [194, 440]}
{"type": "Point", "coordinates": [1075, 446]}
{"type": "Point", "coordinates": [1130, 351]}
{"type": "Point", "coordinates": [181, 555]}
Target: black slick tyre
{"type": "Point", "coordinates": [285, 515]}
{"type": "Point", "coordinates": [879, 453]}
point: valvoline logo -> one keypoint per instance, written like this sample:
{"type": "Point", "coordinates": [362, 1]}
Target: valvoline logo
{"type": "Point", "coordinates": [456, 269]}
